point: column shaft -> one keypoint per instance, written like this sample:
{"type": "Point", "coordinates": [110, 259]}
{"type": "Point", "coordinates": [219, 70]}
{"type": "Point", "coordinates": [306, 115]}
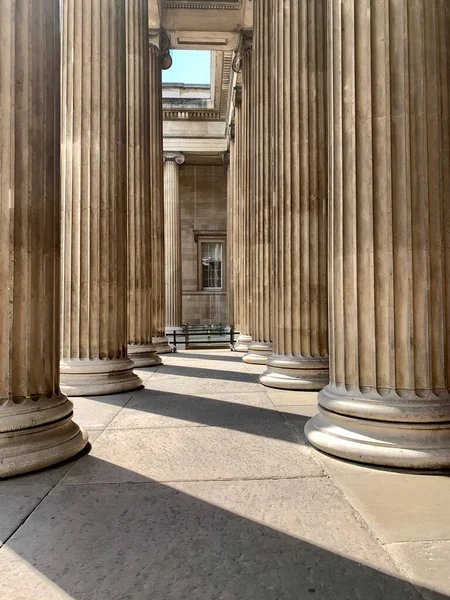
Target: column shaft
{"type": "Point", "coordinates": [140, 300]}
{"type": "Point", "coordinates": [235, 150]}
{"type": "Point", "coordinates": [300, 358]}
{"type": "Point", "coordinates": [36, 427]}
{"type": "Point", "coordinates": [388, 401]}
{"type": "Point", "coordinates": [261, 199]}
{"type": "Point", "coordinates": [172, 233]}
{"type": "Point", "coordinates": [244, 196]}
{"type": "Point", "coordinates": [94, 195]}
{"type": "Point", "coordinates": [157, 203]}
{"type": "Point", "coordinates": [229, 264]}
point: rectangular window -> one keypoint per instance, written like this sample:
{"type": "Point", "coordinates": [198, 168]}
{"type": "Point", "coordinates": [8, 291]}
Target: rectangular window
{"type": "Point", "coordinates": [212, 265]}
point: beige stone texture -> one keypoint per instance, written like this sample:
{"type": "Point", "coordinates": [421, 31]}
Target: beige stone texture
{"type": "Point", "coordinates": [203, 192]}
{"type": "Point", "coordinates": [243, 193]}
{"type": "Point", "coordinates": [140, 293]}
{"type": "Point", "coordinates": [261, 202]}
{"type": "Point", "coordinates": [94, 356]}
{"type": "Point", "coordinates": [157, 201]}
{"type": "Point", "coordinates": [172, 238]}
{"type": "Point", "coordinates": [36, 427]}
{"type": "Point", "coordinates": [300, 189]}
{"type": "Point", "coordinates": [388, 401]}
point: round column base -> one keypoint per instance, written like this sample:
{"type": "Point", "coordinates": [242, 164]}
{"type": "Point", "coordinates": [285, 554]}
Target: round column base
{"type": "Point", "coordinates": [144, 355]}
{"type": "Point", "coordinates": [383, 443]}
{"type": "Point", "coordinates": [242, 343]}
{"type": "Point", "coordinates": [27, 450]}
{"type": "Point", "coordinates": [162, 345]}
{"type": "Point", "coordinates": [258, 353]}
{"type": "Point", "coordinates": [86, 377]}
{"type": "Point", "coordinates": [289, 372]}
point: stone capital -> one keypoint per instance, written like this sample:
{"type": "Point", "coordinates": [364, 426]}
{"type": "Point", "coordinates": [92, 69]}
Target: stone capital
{"type": "Point", "coordinates": [245, 46]}
{"type": "Point", "coordinates": [177, 157]}
{"type": "Point", "coordinates": [160, 41]}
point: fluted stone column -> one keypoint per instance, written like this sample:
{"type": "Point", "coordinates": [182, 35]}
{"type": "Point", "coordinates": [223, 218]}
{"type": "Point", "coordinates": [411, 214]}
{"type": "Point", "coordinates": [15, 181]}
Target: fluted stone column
{"type": "Point", "coordinates": [233, 233]}
{"type": "Point", "coordinates": [388, 401]}
{"type": "Point", "coordinates": [94, 198]}
{"type": "Point", "coordinates": [300, 358]}
{"type": "Point", "coordinates": [261, 200]}
{"type": "Point", "coordinates": [157, 199]}
{"type": "Point", "coordinates": [140, 300]}
{"type": "Point", "coordinates": [243, 62]}
{"type": "Point", "coordinates": [172, 239]}
{"type": "Point", "coordinates": [36, 427]}
{"type": "Point", "coordinates": [230, 271]}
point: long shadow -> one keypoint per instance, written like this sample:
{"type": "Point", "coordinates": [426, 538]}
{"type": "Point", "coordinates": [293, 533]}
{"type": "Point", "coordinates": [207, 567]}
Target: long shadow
{"type": "Point", "coordinates": [237, 358]}
{"type": "Point", "coordinates": [168, 369]}
{"type": "Point", "coordinates": [203, 541]}
{"type": "Point", "coordinates": [200, 410]}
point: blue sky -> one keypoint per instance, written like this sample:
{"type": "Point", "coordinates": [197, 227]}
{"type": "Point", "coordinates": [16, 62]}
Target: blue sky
{"type": "Point", "coordinates": [189, 66]}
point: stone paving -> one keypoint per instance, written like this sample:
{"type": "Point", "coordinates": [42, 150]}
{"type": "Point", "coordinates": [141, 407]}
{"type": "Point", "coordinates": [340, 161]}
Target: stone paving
{"type": "Point", "coordinates": [201, 486]}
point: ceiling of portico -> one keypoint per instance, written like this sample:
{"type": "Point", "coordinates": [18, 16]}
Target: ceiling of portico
{"type": "Point", "coordinates": [202, 24]}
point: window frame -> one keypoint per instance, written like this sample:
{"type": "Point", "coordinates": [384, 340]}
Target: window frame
{"type": "Point", "coordinates": [210, 237]}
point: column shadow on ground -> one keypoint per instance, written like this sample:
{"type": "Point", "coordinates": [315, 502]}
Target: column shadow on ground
{"type": "Point", "coordinates": [151, 541]}
{"type": "Point", "coordinates": [181, 371]}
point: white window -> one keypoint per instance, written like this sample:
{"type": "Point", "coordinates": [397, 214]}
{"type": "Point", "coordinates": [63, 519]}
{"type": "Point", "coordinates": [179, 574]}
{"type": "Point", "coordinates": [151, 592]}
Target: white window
{"type": "Point", "coordinates": [211, 252]}
{"type": "Point", "coordinates": [212, 265]}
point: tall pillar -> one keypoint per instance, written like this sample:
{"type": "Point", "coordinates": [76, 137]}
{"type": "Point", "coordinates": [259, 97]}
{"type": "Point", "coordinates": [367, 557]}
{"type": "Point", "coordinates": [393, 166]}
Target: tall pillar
{"type": "Point", "coordinates": [388, 401]}
{"type": "Point", "coordinates": [36, 427]}
{"type": "Point", "coordinates": [229, 264]}
{"type": "Point", "coordinates": [140, 301]}
{"type": "Point", "coordinates": [157, 199]}
{"type": "Point", "coordinates": [233, 233]}
{"type": "Point", "coordinates": [172, 238]}
{"type": "Point", "coordinates": [243, 62]}
{"type": "Point", "coordinates": [300, 358]}
{"type": "Point", "coordinates": [261, 200]}
{"type": "Point", "coordinates": [94, 198]}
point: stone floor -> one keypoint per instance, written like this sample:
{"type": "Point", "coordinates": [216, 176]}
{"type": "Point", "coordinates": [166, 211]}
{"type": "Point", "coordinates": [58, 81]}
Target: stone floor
{"type": "Point", "coordinates": [201, 486]}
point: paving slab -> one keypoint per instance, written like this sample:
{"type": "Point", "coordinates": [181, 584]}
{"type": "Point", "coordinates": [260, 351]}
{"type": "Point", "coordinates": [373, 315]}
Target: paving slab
{"type": "Point", "coordinates": [397, 506]}
{"type": "Point", "coordinates": [196, 453]}
{"type": "Point", "coordinates": [228, 382]}
{"type": "Point", "coordinates": [207, 541]}
{"type": "Point", "coordinates": [21, 581]}
{"type": "Point", "coordinates": [288, 397]}
{"type": "Point", "coordinates": [201, 363]}
{"type": "Point", "coordinates": [290, 411]}
{"type": "Point", "coordinates": [96, 412]}
{"type": "Point", "coordinates": [17, 502]}
{"type": "Point", "coordinates": [150, 409]}
{"type": "Point", "coordinates": [427, 564]}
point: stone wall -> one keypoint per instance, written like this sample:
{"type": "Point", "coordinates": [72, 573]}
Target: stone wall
{"type": "Point", "coordinates": [203, 191]}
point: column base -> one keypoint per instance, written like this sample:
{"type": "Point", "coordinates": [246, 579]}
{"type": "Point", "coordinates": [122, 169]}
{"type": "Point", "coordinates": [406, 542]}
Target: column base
{"type": "Point", "coordinates": [258, 353]}
{"type": "Point", "coordinates": [26, 450]}
{"type": "Point", "coordinates": [144, 355]}
{"type": "Point", "coordinates": [162, 345]}
{"type": "Point", "coordinates": [242, 343]}
{"type": "Point", "coordinates": [395, 429]}
{"type": "Point", "coordinates": [86, 377]}
{"type": "Point", "coordinates": [289, 372]}
{"type": "Point", "coordinates": [388, 444]}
